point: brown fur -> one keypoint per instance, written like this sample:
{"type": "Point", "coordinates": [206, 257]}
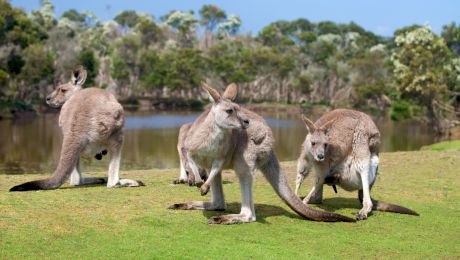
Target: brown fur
{"type": "Point", "coordinates": [342, 146]}
{"type": "Point", "coordinates": [91, 120]}
{"type": "Point", "coordinates": [245, 150]}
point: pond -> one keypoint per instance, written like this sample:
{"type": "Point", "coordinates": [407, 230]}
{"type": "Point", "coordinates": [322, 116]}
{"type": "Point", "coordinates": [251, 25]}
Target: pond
{"type": "Point", "coordinates": [33, 145]}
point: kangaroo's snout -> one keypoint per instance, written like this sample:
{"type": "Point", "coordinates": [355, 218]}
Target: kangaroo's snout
{"type": "Point", "coordinates": [320, 157]}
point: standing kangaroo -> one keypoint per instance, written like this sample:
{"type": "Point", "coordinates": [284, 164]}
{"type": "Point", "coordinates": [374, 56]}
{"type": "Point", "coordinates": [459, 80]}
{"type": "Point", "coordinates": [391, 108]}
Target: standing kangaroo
{"type": "Point", "coordinates": [92, 121]}
{"type": "Point", "coordinates": [343, 148]}
{"type": "Point", "coordinates": [228, 135]}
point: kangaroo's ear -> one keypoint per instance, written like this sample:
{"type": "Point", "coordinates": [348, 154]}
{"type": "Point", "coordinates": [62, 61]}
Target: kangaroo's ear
{"type": "Point", "coordinates": [309, 124]}
{"type": "Point", "coordinates": [231, 92]}
{"type": "Point", "coordinates": [327, 125]}
{"type": "Point", "coordinates": [213, 94]}
{"type": "Point", "coordinates": [78, 76]}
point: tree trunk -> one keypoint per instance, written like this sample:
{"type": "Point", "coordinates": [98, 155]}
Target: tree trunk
{"type": "Point", "coordinates": [435, 120]}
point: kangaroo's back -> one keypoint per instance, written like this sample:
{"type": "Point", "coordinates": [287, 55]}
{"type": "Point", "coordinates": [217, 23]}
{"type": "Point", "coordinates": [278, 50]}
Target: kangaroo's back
{"type": "Point", "coordinates": [92, 111]}
{"type": "Point", "coordinates": [256, 142]}
{"type": "Point", "coordinates": [348, 128]}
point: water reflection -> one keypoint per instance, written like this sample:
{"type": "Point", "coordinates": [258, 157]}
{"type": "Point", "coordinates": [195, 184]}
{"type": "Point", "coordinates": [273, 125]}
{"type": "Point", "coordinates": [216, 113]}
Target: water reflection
{"type": "Point", "coordinates": [32, 146]}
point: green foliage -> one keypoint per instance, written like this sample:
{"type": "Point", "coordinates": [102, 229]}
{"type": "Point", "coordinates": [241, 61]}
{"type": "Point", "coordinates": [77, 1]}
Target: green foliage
{"type": "Point", "coordinates": [420, 61]}
{"type": "Point", "coordinates": [327, 62]}
{"type": "Point", "coordinates": [128, 18]}
{"type": "Point", "coordinates": [74, 15]}
{"type": "Point", "coordinates": [14, 63]}
{"type": "Point", "coordinates": [211, 15]}
{"type": "Point", "coordinates": [185, 68]}
{"type": "Point", "coordinates": [302, 82]}
{"type": "Point", "coordinates": [451, 35]}
{"type": "Point", "coordinates": [402, 109]}
{"type": "Point", "coordinates": [38, 65]}
{"type": "Point", "coordinates": [88, 59]}
{"type": "Point", "coordinates": [372, 78]}
{"type": "Point", "coordinates": [16, 28]}
{"type": "Point", "coordinates": [232, 61]}
{"type": "Point", "coordinates": [3, 77]}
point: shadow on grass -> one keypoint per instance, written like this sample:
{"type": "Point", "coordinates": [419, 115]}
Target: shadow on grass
{"type": "Point", "coordinates": [262, 212]}
{"type": "Point", "coordinates": [334, 204]}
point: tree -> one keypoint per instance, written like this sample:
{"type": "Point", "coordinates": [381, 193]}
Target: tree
{"type": "Point", "coordinates": [184, 23]}
{"type": "Point", "coordinates": [74, 15]}
{"type": "Point", "coordinates": [89, 61]}
{"type": "Point", "coordinates": [231, 26]}
{"type": "Point", "coordinates": [211, 15]}
{"type": "Point", "coordinates": [451, 35]}
{"type": "Point", "coordinates": [45, 15]}
{"type": "Point", "coordinates": [421, 71]}
{"type": "Point", "coordinates": [372, 78]}
{"type": "Point", "coordinates": [128, 18]}
{"type": "Point", "coordinates": [37, 72]}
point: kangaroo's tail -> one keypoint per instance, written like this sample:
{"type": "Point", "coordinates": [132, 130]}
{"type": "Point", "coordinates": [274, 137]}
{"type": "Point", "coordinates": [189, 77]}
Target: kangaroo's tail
{"type": "Point", "coordinates": [69, 155]}
{"type": "Point", "coordinates": [272, 171]}
{"type": "Point", "coordinates": [383, 206]}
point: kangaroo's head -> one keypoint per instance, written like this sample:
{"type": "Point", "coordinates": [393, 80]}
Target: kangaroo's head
{"type": "Point", "coordinates": [63, 92]}
{"type": "Point", "coordinates": [316, 141]}
{"type": "Point", "coordinates": [227, 114]}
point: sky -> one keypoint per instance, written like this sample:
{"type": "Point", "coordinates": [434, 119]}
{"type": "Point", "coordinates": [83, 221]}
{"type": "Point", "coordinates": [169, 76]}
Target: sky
{"type": "Point", "coordinates": [380, 17]}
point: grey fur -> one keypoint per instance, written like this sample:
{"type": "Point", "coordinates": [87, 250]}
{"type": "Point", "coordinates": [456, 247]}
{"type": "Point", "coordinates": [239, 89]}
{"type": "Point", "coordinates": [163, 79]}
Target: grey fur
{"type": "Point", "coordinates": [91, 120]}
{"type": "Point", "coordinates": [343, 149]}
{"type": "Point", "coordinates": [220, 139]}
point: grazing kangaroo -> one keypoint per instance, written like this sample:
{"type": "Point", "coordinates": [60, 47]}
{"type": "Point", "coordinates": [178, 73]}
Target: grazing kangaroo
{"type": "Point", "coordinates": [92, 121]}
{"type": "Point", "coordinates": [227, 136]}
{"type": "Point", "coordinates": [343, 148]}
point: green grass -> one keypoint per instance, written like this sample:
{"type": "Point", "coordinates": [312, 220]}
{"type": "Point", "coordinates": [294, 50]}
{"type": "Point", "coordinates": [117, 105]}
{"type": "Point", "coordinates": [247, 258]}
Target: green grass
{"type": "Point", "coordinates": [443, 146]}
{"type": "Point", "coordinates": [133, 223]}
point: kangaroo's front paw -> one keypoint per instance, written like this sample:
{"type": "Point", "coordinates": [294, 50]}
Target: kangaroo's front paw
{"type": "Point", "coordinates": [204, 189]}
{"type": "Point", "coordinates": [199, 184]}
{"type": "Point", "coordinates": [179, 181]}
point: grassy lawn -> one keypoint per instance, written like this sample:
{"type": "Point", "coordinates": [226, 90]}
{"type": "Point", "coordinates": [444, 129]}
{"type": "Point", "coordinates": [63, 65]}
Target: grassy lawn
{"type": "Point", "coordinates": [443, 146]}
{"type": "Point", "coordinates": [96, 222]}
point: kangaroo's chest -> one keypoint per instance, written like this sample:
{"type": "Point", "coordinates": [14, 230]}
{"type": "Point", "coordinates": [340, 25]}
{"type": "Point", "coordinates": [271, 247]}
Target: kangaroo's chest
{"type": "Point", "coordinates": [214, 147]}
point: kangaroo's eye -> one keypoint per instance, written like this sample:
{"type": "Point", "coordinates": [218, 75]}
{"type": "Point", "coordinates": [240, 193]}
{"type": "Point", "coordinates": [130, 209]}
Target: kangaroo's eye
{"type": "Point", "coordinates": [229, 111]}
{"type": "Point", "coordinates": [313, 143]}
{"type": "Point", "coordinates": [63, 90]}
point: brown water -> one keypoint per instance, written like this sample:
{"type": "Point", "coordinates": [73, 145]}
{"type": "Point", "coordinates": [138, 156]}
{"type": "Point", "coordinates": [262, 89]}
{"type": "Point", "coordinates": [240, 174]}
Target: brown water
{"type": "Point", "coordinates": [32, 146]}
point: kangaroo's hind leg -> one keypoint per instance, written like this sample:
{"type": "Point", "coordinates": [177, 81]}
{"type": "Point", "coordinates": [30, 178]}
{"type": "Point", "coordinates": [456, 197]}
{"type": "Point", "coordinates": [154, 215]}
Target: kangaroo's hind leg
{"type": "Point", "coordinates": [217, 198]}
{"type": "Point", "coordinates": [115, 145]}
{"type": "Point", "coordinates": [77, 179]}
{"type": "Point", "coordinates": [367, 169]}
{"type": "Point", "coordinates": [247, 214]}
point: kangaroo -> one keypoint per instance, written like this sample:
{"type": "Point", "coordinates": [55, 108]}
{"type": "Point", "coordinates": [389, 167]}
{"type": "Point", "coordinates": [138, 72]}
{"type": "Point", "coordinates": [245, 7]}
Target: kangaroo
{"type": "Point", "coordinates": [92, 121]}
{"type": "Point", "coordinates": [343, 148]}
{"type": "Point", "coordinates": [230, 136]}
{"type": "Point", "coordinates": [186, 175]}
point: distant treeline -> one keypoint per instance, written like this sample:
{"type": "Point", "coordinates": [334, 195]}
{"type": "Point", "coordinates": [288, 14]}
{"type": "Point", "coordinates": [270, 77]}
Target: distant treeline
{"type": "Point", "coordinates": [415, 72]}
